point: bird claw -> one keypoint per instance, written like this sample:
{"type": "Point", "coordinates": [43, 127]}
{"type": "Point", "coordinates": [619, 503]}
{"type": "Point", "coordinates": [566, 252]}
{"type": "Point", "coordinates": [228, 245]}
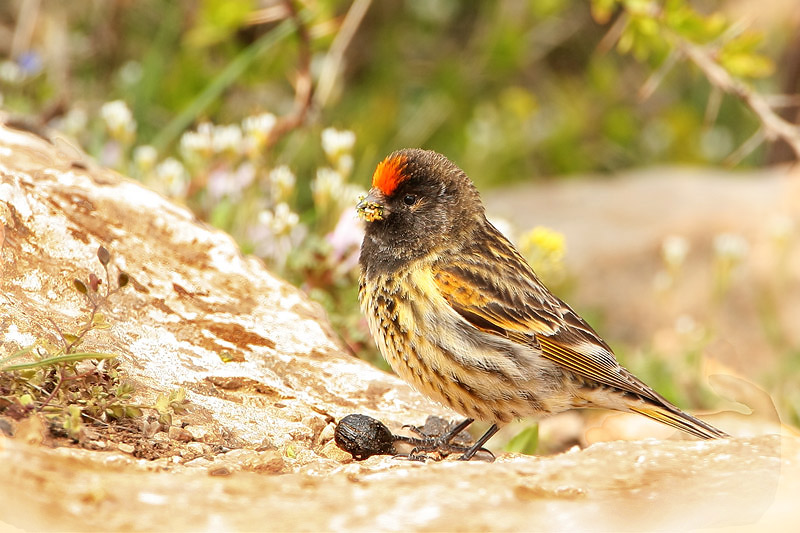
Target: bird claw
{"type": "Point", "coordinates": [427, 444]}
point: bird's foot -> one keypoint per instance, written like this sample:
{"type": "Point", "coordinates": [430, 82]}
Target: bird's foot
{"type": "Point", "coordinates": [438, 445]}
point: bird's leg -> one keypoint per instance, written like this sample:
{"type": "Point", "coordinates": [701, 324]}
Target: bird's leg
{"type": "Point", "coordinates": [427, 442]}
{"type": "Point", "coordinates": [479, 445]}
{"type": "Point", "coordinates": [441, 444]}
{"type": "Point", "coordinates": [441, 439]}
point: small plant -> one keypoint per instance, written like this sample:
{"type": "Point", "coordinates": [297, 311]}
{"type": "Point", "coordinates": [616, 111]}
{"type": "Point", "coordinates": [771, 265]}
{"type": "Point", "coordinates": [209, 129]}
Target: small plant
{"type": "Point", "coordinates": [64, 383]}
{"type": "Point", "coordinates": [174, 403]}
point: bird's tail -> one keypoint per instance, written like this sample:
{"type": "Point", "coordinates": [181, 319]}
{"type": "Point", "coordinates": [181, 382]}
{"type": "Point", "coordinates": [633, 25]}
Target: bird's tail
{"type": "Point", "coordinates": [672, 416]}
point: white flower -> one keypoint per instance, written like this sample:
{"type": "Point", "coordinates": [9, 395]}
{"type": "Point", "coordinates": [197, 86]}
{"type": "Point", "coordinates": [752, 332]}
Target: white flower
{"type": "Point", "coordinates": [345, 241]}
{"type": "Point", "coordinates": [145, 157]}
{"type": "Point", "coordinates": [10, 72]}
{"type": "Point", "coordinates": [781, 228]}
{"type": "Point", "coordinates": [730, 246]}
{"type": "Point", "coordinates": [224, 181]}
{"type": "Point", "coordinates": [280, 221]}
{"type": "Point", "coordinates": [172, 177]}
{"type": "Point", "coordinates": [119, 120]}
{"type": "Point", "coordinates": [283, 181]}
{"type": "Point", "coordinates": [674, 250]}
{"type": "Point", "coordinates": [259, 126]}
{"type": "Point", "coordinates": [74, 122]}
{"type": "Point", "coordinates": [345, 164]}
{"type": "Point", "coordinates": [336, 143]}
{"type": "Point", "coordinates": [685, 324]}
{"type": "Point", "coordinates": [197, 144]}
{"type": "Point", "coordinates": [227, 139]}
{"type": "Point", "coordinates": [326, 187]}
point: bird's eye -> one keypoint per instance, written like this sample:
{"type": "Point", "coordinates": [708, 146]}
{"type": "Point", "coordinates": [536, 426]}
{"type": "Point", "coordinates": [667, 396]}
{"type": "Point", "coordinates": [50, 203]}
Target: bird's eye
{"type": "Point", "coordinates": [410, 199]}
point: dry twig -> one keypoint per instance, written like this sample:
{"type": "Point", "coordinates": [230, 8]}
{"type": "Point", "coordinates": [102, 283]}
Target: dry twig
{"type": "Point", "coordinates": [773, 125]}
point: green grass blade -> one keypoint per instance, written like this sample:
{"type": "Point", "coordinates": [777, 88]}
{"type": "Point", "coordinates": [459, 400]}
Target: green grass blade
{"type": "Point", "coordinates": [14, 355]}
{"type": "Point", "coordinates": [58, 359]}
{"type": "Point", "coordinates": [224, 79]}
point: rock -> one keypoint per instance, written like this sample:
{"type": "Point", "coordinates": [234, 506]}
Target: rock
{"type": "Point", "coordinates": [740, 484]}
{"type": "Point", "coordinates": [197, 433]}
{"type": "Point", "coordinates": [179, 434]}
{"type": "Point", "coordinates": [150, 428]}
{"type": "Point", "coordinates": [198, 448]}
{"type": "Point", "coordinates": [125, 447]}
{"type": "Point", "coordinates": [332, 451]}
{"type": "Point", "coordinates": [161, 436]}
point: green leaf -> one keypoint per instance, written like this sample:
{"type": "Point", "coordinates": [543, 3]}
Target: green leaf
{"type": "Point", "coordinates": [132, 412]}
{"type": "Point", "coordinates": [745, 65]}
{"type": "Point", "coordinates": [218, 20]}
{"type": "Point", "coordinates": [526, 441]}
{"type": "Point", "coordinates": [73, 423]}
{"type": "Point", "coordinates": [124, 390]}
{"type": "Point", "coordinates": [25, 400]}
{"type": "Point", "coordinates": [80, 286]}
{"type": "Point", "coordinates": [59, 359]}
{"type": "Point", "coordinates": [99, 321]}
{"type": "Point", "coordinates": [103, 255]}
{"type": "Point", "coordinates": [162, 403]}
{"type": "Point", "coordinates": [739, 57]}
{"type": "Point", "coordinates": [18, 353]}
{"type": "Point", "coordinates": [603, 9]}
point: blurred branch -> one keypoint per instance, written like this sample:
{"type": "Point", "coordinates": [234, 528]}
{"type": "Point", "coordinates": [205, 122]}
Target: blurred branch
{"type": "Point", "coordinates": [655, 79]}
{"type": "Point", "coordinates": [713, 106]}
{"type": "Point", "coordinates": [774, 126]}
{"type": "Point", "coordinates": [746, 149]}
{"type": "Point", "coordinates": [333, 60]}
{"type": "Point", "coordinates": [26, 23]}
{"type": "Point", "coordinates": [614, 33]}
{"type": "Point", "coordinates": [303, 84]}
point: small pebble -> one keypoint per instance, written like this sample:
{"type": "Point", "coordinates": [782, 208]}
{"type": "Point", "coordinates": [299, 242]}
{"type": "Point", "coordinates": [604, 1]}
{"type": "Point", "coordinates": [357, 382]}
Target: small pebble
{"type": "Point", "coordinates": [179, 434]}
{"type": "Point", "coordinates": [125, 447]}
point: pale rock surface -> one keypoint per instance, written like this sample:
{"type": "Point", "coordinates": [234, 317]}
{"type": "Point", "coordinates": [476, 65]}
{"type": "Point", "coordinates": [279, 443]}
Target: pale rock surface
{"type": "Point", "coordinates": [272, 408]}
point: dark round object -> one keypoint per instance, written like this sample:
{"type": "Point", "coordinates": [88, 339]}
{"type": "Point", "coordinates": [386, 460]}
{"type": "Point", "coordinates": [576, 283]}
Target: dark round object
{"type": "Point", "coordinates": [363, 436]}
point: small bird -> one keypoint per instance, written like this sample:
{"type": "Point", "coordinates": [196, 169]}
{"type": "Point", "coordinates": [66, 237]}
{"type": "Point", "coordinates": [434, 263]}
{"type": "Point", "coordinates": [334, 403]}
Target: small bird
{"type": "Point", "coordinates": [459, 313]}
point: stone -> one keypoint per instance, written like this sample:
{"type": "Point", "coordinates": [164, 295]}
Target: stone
{"type": "Point", "coordinates": [179, 434]}
{"type": "Point", "coordinates": [125, 447]}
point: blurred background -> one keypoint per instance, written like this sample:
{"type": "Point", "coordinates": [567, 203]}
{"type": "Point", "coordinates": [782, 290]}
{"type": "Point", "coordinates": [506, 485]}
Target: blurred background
{"type": "Point", "coordinates": [623, 145]}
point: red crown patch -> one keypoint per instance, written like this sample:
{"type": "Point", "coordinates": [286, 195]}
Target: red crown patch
{"type": "Point", "coordinates": [390, 174]}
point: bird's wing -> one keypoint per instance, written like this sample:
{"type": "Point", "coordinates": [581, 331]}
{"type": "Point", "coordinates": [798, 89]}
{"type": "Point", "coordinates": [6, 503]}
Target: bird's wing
{"type": "Point", "coordinates": [510, 302]}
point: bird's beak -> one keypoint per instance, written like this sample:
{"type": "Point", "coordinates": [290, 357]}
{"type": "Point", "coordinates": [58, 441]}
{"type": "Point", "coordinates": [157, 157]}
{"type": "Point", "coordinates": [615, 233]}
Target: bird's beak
{"type": "Point", "coordinates": [372, 206]}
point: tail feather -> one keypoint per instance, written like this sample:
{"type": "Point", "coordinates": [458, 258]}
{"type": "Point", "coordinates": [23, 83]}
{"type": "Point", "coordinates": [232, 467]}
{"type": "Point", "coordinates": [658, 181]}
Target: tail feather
{"type": "Point", "coordinates": [679, 420]}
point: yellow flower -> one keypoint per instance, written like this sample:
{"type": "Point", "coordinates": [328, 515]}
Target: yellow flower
{"type": "Point", "coordinates": [545, 248]}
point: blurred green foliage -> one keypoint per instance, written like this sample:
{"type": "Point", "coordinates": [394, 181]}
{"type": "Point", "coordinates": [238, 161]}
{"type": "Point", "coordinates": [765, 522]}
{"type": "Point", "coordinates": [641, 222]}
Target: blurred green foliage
{"type": "Point", "coordinates": [511, 89]}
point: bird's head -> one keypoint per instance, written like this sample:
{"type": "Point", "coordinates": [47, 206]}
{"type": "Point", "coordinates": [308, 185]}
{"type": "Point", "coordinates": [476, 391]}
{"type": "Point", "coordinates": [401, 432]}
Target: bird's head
{"type": "Point", "coordinates": [419, 203]}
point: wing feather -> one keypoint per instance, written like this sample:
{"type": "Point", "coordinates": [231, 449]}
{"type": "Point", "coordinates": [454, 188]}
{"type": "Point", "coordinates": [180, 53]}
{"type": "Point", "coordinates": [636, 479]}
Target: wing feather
{"type": "Point", "coordinates": [513, 303]}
